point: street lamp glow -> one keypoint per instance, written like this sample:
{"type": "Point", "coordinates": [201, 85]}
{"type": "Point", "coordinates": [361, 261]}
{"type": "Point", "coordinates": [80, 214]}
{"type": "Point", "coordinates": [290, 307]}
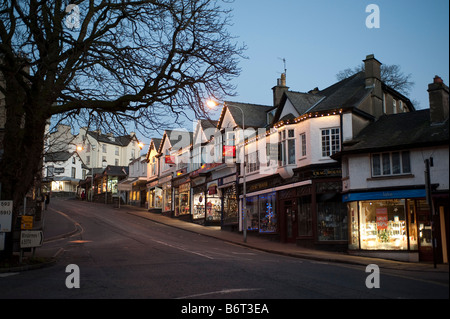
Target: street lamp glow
{"type": "Point", "coordinates": [79, 148]}
{"type": "Point", "coordinates": [211, 104]}
{"type": "Point", "coordinates": [141, 145]}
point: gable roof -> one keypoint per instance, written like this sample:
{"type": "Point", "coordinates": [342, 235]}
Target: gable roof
{"type": "Point", "coordinates": [345, 94]}
{"type": "Point", "coordinates": [60, 156]}
{"type": "Point", "coordinates": [397, 131]}
{"type": "Point", "coordinates": [203, 124]}
{"type": "Point", "coordinates": [123, 140]}
{"type": "Point", "coordinates": [175, 137]}
{"type": "Point", "coordinates": [255, 115]}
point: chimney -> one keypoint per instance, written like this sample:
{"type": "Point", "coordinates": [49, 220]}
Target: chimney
{"type": "Point", "coordinates": [279, 90]}
{"type": "Point", "coordinates": [438, 95]}
{"type": "Point", "coordinates": [372, 69]}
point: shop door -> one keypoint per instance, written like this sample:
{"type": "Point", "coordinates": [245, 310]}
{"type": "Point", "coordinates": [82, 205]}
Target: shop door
{"type": "Point", "coordinates": [424, 231]}
{"type": "Point", "coordinates": [291, 221]}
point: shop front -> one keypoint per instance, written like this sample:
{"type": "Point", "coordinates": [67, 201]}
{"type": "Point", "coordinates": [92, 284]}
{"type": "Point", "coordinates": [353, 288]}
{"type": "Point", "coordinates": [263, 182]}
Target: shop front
{"type": "Point", "coordinates": [198, 204]}
{"type": "Point", "coordinates": [230, 213]}
{"type": "Point", "coordinates": [390, 224]}
{"type": "Point", "coordinates": [165, 184]}
{"type": "Point", "coordinates": [154, 197]}
{"type": "Point", "coordinates": [213, 204]}
{"type": "Point", "coordinates": [262, 213]}
{"type": "Point", "coordinates": [182, 201]}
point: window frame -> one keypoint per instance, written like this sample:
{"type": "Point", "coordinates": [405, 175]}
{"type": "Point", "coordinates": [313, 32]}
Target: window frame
{"type": "Point", "coordinates": [330, 147]}
{"type": "Point", "coordinates": [387, 158]}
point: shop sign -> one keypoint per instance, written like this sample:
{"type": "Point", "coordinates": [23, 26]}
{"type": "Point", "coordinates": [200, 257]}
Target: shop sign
{"type": "Point", "coordinates": [6, 207]}
{"type": "Point", "coordinates": [413, 193]}
{"type": "Point", "coordinates": [382, 218]}
{"type": "Point", "coordinates": [58, 170]}
{"type": "Point", "coordinates": [184, 187]}
{"type": "Point", "coordinates": [327, 172]}
{"type": "Point", "coordinates": [258, 186]}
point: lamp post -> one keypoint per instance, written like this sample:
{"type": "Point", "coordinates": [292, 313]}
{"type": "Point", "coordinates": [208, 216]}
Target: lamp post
{"type": "Point", "coordinates": [212, 104]}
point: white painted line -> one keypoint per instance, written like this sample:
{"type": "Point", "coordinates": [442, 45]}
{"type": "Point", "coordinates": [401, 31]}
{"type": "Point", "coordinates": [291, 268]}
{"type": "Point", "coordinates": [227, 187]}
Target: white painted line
{"type": "Point", "coordinates": [220, 292]}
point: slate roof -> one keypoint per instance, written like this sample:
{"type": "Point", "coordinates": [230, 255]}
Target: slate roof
{"type": "Point", "coordinates": [115, 140]}
{"type": "Point", "coordinates": [177, 138]}
{"type": "Point", "coordinates": [347, 93]}
{"type": "Point", "coordinates": [60, 156]}
{"type": "Point", "coordinates": [302, 102]}
{"type": "Point", "coordinates": [399, 131]}
{"type": "Point", "coordinates": [255, 115]}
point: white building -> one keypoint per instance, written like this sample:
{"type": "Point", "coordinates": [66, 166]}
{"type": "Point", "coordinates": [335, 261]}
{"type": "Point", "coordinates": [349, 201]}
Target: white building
{"type": "Point", "coordinates": [391, 206]}
{"type": "Point", "coordinates": [63, 171]}
{"type": "Point", "coordinates": [100, 150]}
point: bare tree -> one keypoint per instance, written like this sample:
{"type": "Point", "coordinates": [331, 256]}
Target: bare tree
{"type": "Point", "coordinates": [105, 63]}
{"type": "Point", "coordinates": [391, 75]}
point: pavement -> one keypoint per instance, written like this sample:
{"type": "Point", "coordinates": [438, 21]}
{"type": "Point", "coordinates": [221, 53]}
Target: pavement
{"type": "Point", "coordinates": [58, 226]}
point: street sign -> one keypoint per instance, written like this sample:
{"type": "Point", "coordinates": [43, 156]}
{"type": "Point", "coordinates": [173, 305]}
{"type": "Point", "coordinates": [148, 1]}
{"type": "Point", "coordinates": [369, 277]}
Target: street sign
{"type": "Point", "coordinates": [26, 222]}
{"type": "Point", "coordinates": [31, 238]}
{"type": "Point", "coordinates": [6, 208]}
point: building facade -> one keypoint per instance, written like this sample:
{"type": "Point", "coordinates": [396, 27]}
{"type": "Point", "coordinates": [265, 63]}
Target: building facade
{"type": "Point", "coordinates": [395, 210]}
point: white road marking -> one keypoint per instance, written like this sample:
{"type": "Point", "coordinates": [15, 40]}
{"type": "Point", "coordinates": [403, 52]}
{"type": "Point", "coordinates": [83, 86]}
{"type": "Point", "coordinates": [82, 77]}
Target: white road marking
{"type": "Point", "coordinates": [220, 292]}
{"type": "Point", "coordinates": [8, 274]}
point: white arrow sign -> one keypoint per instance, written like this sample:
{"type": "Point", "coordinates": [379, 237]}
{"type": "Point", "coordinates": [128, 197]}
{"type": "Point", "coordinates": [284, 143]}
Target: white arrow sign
{"type": "Point", "coordinates": [31, 238]}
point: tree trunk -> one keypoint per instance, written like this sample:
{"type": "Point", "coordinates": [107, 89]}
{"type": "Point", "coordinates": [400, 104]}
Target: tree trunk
{"type": "Point", "coordinates": [23, 143]}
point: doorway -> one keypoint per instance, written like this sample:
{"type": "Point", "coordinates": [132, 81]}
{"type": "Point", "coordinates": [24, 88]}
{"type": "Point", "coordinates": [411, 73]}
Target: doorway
{"type": "Point", "coordinates": [290, 216]}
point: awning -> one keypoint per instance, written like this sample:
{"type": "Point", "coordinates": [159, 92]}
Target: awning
{"type": "Point", "coordinates": [126, 184]}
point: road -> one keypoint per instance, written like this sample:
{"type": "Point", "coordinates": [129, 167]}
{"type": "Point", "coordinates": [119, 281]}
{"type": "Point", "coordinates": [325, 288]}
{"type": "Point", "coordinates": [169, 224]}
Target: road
{"type": "Point", "coordinates": [120, 255]}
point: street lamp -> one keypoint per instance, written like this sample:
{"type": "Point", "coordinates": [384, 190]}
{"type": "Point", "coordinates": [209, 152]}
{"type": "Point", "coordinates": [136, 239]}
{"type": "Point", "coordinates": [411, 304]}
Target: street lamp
{"type": "Point", "coordinates": [211, 104]}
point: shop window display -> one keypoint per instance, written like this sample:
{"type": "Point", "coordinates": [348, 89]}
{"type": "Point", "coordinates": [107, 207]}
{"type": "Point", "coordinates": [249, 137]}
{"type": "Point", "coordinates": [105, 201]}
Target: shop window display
{"type": "Point", "coordinates": [383, 224]}
{"type": "Point", "coordinates": [268, 218]}
{"type": "Point", "coordinates": [167, 197]}
{"type": "Point", "coordinates": [304, 216]}
{"type": "Point", "coordinates": [199, 205]}
{"type": "Point", "coordinates": [230, 206]}
{"type": "Point", "coordinates": [332, 221]}
{"type": "Point", "coordinates": [261, 213]}
{"type": "Point", "coordinates": [213, 205]}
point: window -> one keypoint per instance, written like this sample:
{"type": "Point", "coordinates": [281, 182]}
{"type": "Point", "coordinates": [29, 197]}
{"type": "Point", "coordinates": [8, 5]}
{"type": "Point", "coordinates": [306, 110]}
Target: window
{"type": "Point", "coordinates": [50, 171]}
{"type": "Point", "coordinates": [304, 216]}
{"type": "Point", "coordinates": [153, 166]}
{"type": "Point", "coordinates": [303, 144]}
{"type": "Point", "coordinates": [74, 172]}
{"type": "Point", "coordinates": [88, 160]}
{"type": "Point", "coordinates": [330, 141]}
{"type": "Point", "coordinates": [252, 162]}
{"type": "Point", "coordinates": [287, 147]}
{"type": "Point", "coordinates": [393, 163]}
{"type": "Point", "coordinates": [104, 148]}
{"type": "Point", "coordinates": [394, 106]}
{"type": "Point", "coordinates": [116, 162]}
{"type": "Point", "coordinates": [382, 224]}
{"type": "Point", "coordinates": [116, 150]}
{"type": "Point", "coordinates": [261, 213]}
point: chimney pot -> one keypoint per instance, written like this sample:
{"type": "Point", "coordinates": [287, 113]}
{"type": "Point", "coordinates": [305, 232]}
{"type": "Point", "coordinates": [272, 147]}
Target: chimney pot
{"type": "Point", "coordinates": [438, 79]}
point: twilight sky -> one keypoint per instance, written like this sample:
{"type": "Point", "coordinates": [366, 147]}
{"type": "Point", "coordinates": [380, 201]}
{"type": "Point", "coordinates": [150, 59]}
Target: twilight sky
{"type": "Point", "coordinates": [322, 37]}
